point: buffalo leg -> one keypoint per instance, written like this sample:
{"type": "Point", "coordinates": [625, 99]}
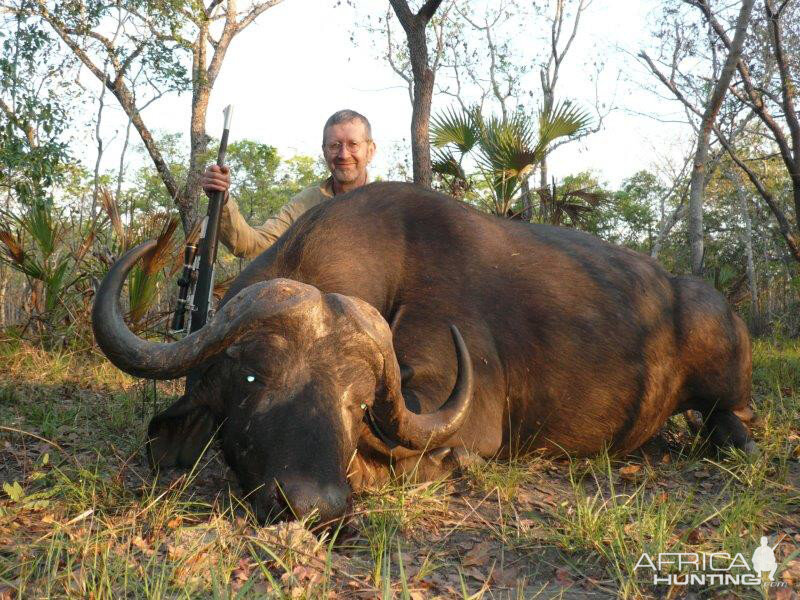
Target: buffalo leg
{"type": "Point", "coordinates": [723, 429]}
{"type": "Point", "coordinates": [437, 463]}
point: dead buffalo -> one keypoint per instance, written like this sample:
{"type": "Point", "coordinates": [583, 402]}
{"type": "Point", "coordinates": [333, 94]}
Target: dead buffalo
{"type": "Point", "coordinates": [394, 327]}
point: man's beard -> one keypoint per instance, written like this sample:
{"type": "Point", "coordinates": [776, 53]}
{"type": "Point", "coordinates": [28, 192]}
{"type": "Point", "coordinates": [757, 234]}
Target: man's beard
{"type": "Point", "coordinates": [346, 174]}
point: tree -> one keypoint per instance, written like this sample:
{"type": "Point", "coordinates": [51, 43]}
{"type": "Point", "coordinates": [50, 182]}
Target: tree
{"type": "Point", "coordinates": [114, 40]}
{"type": "Point", "coordinates": [550, 71]}
{"type": "Point", "coordinates": [414, 25]}
{"type": "Point", "coordinates": [764, 89]}
{"type": "Point", "coordinates": [33, 112]}
{"type": "Point", "coordinates": [766, 104]}
{"type": "Point", "coordinates": [712, 107]}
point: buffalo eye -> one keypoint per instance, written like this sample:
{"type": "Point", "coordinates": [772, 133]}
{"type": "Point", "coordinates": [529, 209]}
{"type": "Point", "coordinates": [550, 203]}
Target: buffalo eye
{"type": "Point", "coordinates": [249, 379]}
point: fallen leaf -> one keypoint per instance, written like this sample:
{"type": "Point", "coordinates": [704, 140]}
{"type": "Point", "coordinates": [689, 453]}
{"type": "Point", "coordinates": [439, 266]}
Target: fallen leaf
{"type": "Point", "coordinates": [563, 576]}
{"type": "Point", "coordinates": [505, 577]}
{"type": "Point", "coordinates": [525, 498]}
{"type": "Point", "coordinates": [525, 524]}
{"type": "Point", "coordinates": [479, 555]}
{"type": "Point", "coordinates": [783, 594]}
{"type": "Point", "coordinates": [630, 471]}
{"type": "Point", "coordinates": [695, 536]}
{"type": "Point", "coordinates": [175, 552]}
{"type": "Point", "coordinates": [139, 543]}
{"type": "Point", "coordinates": [475, 574]}
{"type": "Point", "coordinates": [7, 592]}
{"type": "Point", "coordinates": [791, 573]}
{"type": "Point", "coordinates": [303, 573]}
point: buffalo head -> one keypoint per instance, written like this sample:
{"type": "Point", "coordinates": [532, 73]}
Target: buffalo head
{"type": "Point", "coordinates": [285, 375]}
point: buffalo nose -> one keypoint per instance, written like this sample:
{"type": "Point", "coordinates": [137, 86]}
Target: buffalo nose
{"type": "Point", "coordinates": [303, 497]}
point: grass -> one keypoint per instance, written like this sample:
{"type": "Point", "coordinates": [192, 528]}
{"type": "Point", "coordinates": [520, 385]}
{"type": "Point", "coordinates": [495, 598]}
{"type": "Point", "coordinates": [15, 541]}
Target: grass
{"type": "Point", "coordinates": [81, 515]}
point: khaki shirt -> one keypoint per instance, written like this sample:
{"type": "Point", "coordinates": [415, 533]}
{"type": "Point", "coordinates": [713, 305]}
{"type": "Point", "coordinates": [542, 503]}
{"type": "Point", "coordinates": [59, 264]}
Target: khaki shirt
{"type": "Point", "coordinates": [245, 241]}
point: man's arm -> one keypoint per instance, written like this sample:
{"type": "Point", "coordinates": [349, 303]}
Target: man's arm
{"type": "Point", "coordinates": [246, 241]}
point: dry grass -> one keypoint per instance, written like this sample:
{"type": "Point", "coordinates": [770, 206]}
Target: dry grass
{"type": "Point", "coordinates": [81, 516]}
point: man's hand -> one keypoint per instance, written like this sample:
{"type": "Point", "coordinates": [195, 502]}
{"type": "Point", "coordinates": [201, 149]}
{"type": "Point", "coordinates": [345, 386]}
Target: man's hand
{"type": "Point", "coordinates": [216, 179]}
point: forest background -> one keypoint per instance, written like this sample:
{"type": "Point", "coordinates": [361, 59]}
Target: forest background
{"type": "Point", "coordinates": [112, 162]}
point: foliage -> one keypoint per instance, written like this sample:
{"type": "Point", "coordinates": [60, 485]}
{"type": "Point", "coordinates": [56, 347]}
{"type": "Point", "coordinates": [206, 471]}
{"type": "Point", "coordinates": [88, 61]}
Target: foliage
{"type": "Point", "coordinates": [33, 110]}
{"type": "Point", "coordinates": [35, 245]}
{"type": "Point", "coordinates": [504, 151]}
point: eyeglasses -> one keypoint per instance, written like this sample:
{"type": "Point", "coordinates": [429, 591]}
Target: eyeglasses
{"type": "Point", "coordinates": [335, 147]}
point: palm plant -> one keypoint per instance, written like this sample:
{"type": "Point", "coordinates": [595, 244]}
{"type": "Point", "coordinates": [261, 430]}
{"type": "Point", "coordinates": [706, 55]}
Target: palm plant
{"type": "Point", "coordinates": [37, 245]}
{"type": "Point", "coordinates": [157, 266]}
{"type": "Point", "coordinates": [505, 152]}
{"type": "Point", "coordinates": [566, 206]}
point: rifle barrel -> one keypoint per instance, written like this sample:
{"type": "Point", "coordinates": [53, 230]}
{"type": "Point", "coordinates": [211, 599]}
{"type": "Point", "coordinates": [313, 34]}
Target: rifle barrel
{"type": "Point", "coordinates": [208, 245]}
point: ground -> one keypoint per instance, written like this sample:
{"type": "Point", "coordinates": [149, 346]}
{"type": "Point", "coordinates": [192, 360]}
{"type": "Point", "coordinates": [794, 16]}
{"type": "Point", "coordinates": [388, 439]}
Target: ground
{"type": "Point", "coordinates": [82, 516]}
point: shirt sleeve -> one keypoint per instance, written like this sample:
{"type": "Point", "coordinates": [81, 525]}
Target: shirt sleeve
{"type": "Point", "coordinates": [246, 241]}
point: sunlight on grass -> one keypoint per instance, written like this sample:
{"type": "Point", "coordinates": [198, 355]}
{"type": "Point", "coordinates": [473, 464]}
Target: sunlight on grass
{"type": "Point", "coordinates": [82, 516]}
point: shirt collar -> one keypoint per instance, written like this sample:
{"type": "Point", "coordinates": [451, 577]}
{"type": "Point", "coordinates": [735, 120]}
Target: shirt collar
{"type": "Point", "coordinates": [327, 186]}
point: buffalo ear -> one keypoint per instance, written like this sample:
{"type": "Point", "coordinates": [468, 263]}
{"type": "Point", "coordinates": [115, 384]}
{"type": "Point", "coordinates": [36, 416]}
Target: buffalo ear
{"type": "Point", "coordinates": [178, 436]}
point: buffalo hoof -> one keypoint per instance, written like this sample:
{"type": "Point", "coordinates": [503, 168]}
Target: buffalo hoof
{"type": "Point", "coordinates": [751, 449]}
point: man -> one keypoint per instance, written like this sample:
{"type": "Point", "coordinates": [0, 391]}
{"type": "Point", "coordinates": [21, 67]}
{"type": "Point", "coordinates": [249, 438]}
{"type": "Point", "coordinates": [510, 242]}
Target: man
{"type": "Point", "coordinates": [347, 147]}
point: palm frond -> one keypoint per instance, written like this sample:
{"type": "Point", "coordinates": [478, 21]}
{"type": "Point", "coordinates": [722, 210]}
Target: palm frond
{"type": "Point", "coordinates": [13, 247]}
{"type": "Point", "coordinates": [54, 283]}
{"type": "Point", "coordinates": [144, 279]}
{"type": "Point", "coordinates": [444, 163]}
{"type": "Point", "coordinates": [588, 196]}
{"type": "Point", "coordinates": [84, 247]}
{"type": "Point", "coordinates": [508, 147]}
{"type": "Point", "coordinates": [38, 221]}
{"type": "Point", "coordinates": [564, 120]}
{"type": "Point", "coordinates": [112, 210]}
{"type": "Point", "coordinates": [157, 259]}
{"type": "Point", "coordinates": [456, 127]}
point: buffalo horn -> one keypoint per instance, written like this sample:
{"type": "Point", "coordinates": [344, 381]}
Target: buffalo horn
{"type": "Point", "coordinates": [247, 311]}
{"type": "Point", "coordinates": [421, 431]}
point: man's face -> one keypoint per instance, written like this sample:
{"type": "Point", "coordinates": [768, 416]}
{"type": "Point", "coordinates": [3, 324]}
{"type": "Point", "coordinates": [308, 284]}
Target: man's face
{"type": "Point", "coordinates": [348, 151]}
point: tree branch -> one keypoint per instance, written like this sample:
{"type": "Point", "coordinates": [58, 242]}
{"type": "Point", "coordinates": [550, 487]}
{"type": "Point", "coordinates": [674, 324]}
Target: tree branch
{"type": "Point", "coordinates": [23, 126]}
{"type": "Point", "coordinates": [254, 12]}
{"type": "Point", "coordinates": [427, 11]}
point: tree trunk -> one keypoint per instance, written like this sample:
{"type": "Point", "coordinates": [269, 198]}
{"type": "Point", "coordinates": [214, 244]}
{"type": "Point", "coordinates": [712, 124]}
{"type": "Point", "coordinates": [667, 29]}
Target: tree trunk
{"type": "Point", "coordinates": [185, 196]}
{"type": "Point", "coordinates": [198, 140]}
{"type": "Point", "coordinates": [665, 226]}
{"type": "Point", "coordinates": [3, 286]}
{"type": "Point", "coordinates": [698, 178]}
{"type": "Point", "coordinates": [527, 205]}
{"type": "Point", "coordinates": [747, 237]}
{"type": "Point", "coordinates": [421, 113]}
{"type": "Point", "coordinates": [414, 26]}
{"type": "Point", "coordinates": [99, 137]}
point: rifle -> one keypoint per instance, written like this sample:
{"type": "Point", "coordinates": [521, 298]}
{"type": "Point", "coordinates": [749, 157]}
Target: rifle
{"type": "Point", "coordinates": [197, 279]}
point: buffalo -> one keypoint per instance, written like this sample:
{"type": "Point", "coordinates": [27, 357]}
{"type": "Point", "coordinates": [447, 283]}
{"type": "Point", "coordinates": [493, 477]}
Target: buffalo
{"type": "Point", "coordinates": [396, 330]}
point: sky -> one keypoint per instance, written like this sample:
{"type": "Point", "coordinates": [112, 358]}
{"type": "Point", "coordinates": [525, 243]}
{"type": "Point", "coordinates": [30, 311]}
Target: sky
{"type": "Point", "coordinates": [296, 65]}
